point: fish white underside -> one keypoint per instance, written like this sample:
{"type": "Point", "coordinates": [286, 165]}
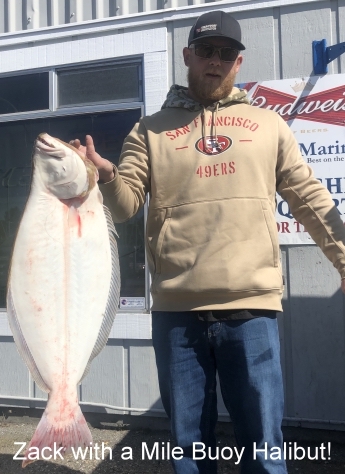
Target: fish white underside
{"type": "Point", "coordinates": [63, 288]}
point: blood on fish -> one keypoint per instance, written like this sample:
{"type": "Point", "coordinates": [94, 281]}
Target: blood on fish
{"type": "Point", "coordinates": [79, 225]}
{"type": "Point", "coordinates": [29, 259]}
{"type": "Point", "coordinates": [73, 216]}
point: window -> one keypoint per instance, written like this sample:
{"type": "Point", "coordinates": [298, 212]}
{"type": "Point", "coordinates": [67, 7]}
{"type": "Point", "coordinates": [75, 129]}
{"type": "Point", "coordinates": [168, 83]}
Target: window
{"type": "Point", "coordinates": [103, 87]}
{"type": "Point", "coordinates": [113, 83]}
{"type": "Point", "coordinates": [24, 93]}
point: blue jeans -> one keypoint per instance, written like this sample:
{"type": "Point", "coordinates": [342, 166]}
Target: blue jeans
{"type": "Point", "coordinates": [245, 353]}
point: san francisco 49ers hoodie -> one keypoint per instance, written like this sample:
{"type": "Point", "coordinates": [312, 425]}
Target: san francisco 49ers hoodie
{"type": "Point", "coordinates": [212, 175]}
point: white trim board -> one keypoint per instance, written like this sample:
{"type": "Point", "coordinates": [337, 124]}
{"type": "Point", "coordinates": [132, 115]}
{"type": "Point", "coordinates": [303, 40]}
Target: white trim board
{"type": "Point", "coordinates": [126, 326]}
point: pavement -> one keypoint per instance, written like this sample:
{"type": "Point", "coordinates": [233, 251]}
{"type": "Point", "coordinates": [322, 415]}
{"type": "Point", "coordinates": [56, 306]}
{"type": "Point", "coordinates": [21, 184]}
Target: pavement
{"type": "Point", "coordinates": [142, 445]}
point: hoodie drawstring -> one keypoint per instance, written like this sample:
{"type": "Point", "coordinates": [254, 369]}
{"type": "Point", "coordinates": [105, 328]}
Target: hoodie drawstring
{"type": "Point", "coordinates": [213, 132]}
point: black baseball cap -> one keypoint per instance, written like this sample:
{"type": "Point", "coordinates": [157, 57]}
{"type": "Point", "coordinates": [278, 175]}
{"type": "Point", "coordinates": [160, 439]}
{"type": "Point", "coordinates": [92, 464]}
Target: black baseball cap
{"type": "Point", "coordinates": [216, 23]}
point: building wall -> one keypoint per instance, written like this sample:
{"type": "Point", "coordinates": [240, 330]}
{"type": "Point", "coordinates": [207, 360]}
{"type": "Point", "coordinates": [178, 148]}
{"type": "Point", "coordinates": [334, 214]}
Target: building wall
{"type": "Point", "coordinates": [312, 334]}
{"type": "Point", "coordinates": [18, 15]}
{"type": "Point", "coordinates": [278, 36]}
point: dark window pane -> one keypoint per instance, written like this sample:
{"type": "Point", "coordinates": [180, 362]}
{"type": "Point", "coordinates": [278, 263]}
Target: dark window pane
{"type": "Point", "coordinates": [17, 138]}
{"type": "Point", "coordinates": [24, 93]}
{"type": "Point", "coordinates": [118, 83]}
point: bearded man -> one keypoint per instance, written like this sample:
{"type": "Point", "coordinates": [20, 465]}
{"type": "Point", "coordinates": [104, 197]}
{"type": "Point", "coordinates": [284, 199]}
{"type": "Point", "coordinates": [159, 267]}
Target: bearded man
{"type": "Point", "coordinates": [212, 164]}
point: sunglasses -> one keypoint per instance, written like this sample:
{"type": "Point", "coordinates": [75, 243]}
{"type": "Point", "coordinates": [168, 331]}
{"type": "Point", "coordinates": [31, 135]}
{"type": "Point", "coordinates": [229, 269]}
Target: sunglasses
{"type": "Point", "coordinates": [206, 51]}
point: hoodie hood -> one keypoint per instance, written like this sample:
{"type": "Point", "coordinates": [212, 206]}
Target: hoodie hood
{"type": "Point", "coordinates": [178, 97]}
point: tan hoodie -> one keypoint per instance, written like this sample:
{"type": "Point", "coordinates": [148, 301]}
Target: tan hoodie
{"type": "Point", "coordinates": [212, 175]}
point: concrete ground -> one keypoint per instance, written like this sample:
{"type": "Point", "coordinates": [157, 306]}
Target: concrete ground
{"type": "Point", "coordinates": [128, 442]}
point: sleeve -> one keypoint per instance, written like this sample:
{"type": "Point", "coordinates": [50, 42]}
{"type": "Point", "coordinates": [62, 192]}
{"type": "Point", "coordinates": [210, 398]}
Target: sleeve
{"type": "Point", "coordinates": [126, 193]}
{"type": "Point", "coordinates": [310, 202]}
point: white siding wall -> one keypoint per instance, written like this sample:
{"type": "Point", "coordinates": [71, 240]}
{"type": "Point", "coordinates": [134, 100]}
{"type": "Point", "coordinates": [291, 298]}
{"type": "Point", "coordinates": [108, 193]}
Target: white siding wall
{"type": "Point", "coordinates": [18, 15]}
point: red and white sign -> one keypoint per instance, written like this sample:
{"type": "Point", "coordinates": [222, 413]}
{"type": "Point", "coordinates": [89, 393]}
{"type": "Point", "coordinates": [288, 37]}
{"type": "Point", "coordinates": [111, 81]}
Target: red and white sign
{"type": "Point", "coordinates": [314, 108]}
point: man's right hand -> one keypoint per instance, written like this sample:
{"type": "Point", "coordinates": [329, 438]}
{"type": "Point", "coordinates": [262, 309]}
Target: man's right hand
{"type": "Point", "coordinates": [105, 168]}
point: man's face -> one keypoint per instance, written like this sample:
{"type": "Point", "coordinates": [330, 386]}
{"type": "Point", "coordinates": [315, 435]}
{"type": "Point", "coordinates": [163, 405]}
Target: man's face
{"type": "Point", "coordinates": [210, 80]}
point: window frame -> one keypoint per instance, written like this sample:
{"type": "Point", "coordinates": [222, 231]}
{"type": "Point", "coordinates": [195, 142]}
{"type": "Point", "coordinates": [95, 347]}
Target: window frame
{"type": "Point", "coordinates": [114, 106]}
{"type": "Point", "coordinates": [55, 110]}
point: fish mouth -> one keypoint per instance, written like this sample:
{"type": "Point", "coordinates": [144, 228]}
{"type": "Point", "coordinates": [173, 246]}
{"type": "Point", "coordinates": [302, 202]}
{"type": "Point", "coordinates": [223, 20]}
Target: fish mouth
{"type": "Point", "coordinates": [41, 139]}
{"type": "Point", "coordinates": [42, 144]}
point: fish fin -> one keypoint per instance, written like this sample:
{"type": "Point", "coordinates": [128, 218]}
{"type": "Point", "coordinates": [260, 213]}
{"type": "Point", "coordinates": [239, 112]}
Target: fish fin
{"type": "Point", "coordinates": [74, 434]}
{"type": "Point", "coordinates": [21, 344]}
{"type": "Point", "coordinates": [110, 222]}
{"type": "Point", "coordinates": [113, 297]}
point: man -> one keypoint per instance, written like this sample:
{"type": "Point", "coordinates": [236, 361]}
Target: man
{"type": "Point", "coordinates": [212, 164]}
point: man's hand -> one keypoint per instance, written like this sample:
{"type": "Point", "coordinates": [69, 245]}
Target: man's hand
{"type": "Point", "coordinates": [105, 168]}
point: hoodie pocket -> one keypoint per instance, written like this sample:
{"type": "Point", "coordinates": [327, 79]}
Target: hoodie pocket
{"type": "Point", "coordinates": [160, 239]}
{"type": "Point", "coordinates": [215, 246]}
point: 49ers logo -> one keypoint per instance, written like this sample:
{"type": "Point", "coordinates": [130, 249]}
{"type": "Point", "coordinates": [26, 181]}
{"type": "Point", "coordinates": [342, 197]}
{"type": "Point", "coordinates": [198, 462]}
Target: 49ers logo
{"type": "Point", "coordinates": [213, 145]}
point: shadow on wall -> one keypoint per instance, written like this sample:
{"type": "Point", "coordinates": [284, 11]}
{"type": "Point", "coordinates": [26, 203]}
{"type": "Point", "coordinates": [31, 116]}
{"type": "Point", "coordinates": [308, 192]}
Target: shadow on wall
{"type": "Point", "coordinates": [312, 332]}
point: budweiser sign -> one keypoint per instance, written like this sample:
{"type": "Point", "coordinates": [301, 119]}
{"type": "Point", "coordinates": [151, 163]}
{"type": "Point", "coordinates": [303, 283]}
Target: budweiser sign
{"type": "Point", "coordinates": [326, 106]}
{"type": "Point", "coordinates": [314, 108]}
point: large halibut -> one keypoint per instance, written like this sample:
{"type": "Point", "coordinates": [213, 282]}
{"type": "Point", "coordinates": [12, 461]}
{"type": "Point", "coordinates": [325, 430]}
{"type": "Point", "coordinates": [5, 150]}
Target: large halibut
{"type": "Point", "coordinates": [63, 287]}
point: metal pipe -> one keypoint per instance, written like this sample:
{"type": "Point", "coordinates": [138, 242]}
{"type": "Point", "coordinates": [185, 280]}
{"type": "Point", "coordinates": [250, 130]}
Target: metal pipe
{"type": "Point", "coordinates": [308, 420]}
{"type": "Point", "coordinates": [102, 405]}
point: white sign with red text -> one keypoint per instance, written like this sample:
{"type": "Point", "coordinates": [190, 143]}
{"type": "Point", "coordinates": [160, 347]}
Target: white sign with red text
{"type": "Point", "coordinates": [314, 108]}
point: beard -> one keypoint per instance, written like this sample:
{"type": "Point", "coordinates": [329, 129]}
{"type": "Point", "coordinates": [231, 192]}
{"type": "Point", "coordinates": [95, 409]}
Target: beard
{"type": "Point", "coordinates": [210, 91]}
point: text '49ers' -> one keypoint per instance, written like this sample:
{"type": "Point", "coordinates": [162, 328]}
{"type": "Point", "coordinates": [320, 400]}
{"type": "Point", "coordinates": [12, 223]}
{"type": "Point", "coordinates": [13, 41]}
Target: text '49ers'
{"type": "Point", "coordinates": [217, 169]}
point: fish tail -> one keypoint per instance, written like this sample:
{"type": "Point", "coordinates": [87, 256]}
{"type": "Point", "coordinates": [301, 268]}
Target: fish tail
{"type": "Point", "coordinates": [52, 440]}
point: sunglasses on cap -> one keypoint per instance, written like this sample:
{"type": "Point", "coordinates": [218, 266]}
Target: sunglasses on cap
{"type": "Point", "coordinates": [206, 51]}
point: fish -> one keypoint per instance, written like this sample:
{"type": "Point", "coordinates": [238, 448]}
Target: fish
{"type": "Point", "coordinates": [63, 288]}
